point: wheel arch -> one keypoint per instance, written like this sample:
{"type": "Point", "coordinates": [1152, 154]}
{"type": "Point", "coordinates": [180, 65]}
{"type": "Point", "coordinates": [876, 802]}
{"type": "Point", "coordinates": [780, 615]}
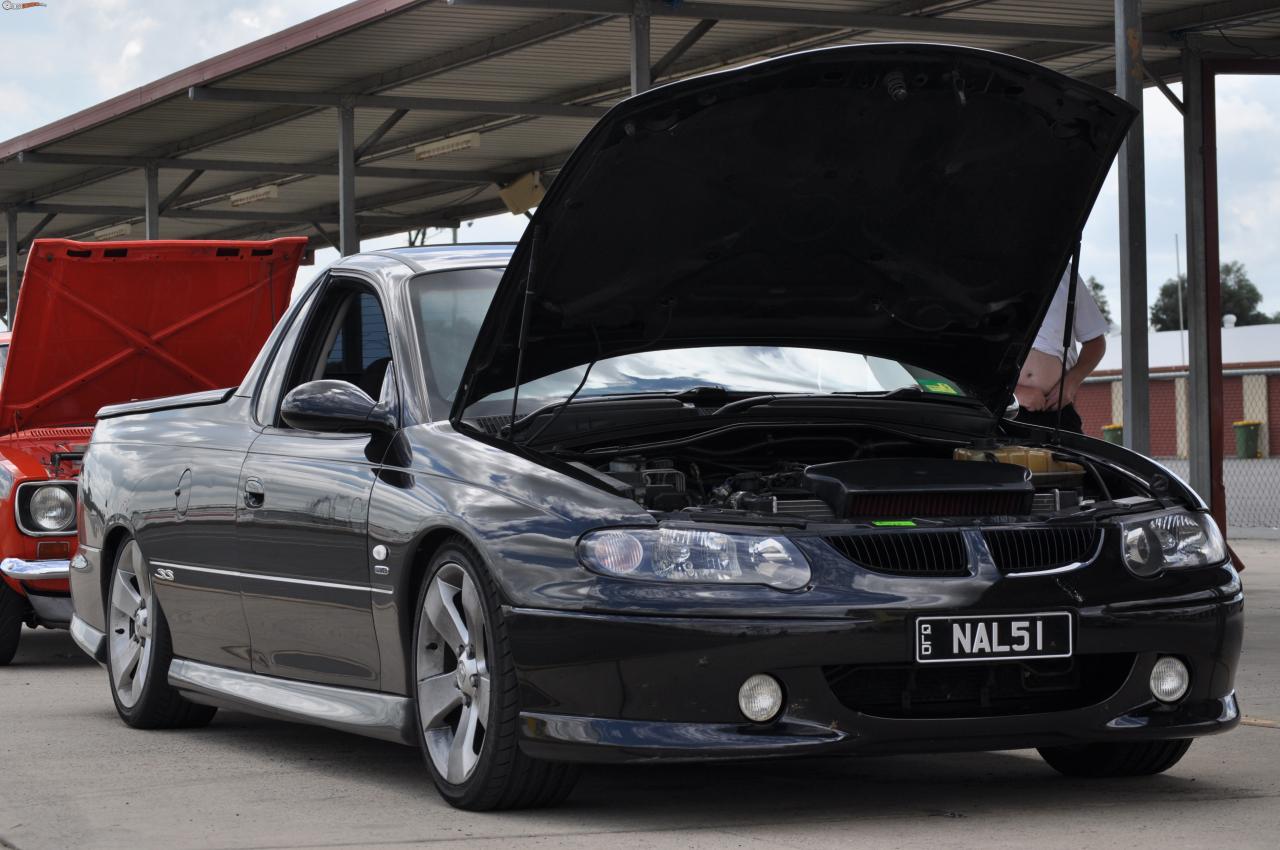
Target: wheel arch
{"type": "Point", "coordinates": [429, 542]}
{"type": "Point", "coordinates": [112, 541]}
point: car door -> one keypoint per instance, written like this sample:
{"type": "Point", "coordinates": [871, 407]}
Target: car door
{"type": "Point", "coordinates": [302, 520]}
{"type": "Point", "coordinates": [188, 533]}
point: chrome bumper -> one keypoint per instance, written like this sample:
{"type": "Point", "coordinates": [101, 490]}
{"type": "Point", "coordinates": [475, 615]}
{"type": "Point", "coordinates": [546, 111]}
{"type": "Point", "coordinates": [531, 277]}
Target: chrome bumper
{"type": "Point", "coordinates": [51, 611]}
{"type": "Point", "coordinates": [92, 641]}
{"type": "Point", "coordinates": [21, 570]}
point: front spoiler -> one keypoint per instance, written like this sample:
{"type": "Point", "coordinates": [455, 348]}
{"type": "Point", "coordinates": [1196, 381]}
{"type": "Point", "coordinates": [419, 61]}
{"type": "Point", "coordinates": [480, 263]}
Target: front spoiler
{"type": "Point", "coordinates": [604, 740]}
{"type": "Point", "coordinates": [89, 639]}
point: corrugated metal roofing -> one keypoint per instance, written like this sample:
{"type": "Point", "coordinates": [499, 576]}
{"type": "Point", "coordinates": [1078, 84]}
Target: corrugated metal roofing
{"type": "Point", "coordinates": [553, 51]}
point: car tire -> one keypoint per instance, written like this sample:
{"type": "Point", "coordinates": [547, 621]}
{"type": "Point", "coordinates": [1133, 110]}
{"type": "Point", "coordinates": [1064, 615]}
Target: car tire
{"type": "Point", "coordinates": [13, 611]}
{"type": "Point", "coordinates": [1102, 761]}
{"type": "Point", "coordinates": [139, 651]}
{"type": "Point", "coordinates": [492, 773]}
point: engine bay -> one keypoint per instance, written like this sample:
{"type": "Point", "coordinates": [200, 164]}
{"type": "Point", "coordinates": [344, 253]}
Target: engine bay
{"type": "Point", "coordinates": [830, 476]}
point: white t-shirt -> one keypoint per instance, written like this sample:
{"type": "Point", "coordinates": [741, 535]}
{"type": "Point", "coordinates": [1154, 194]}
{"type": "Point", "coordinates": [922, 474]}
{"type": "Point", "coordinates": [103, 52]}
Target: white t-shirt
{"type": "Point", "coordinates": [1089, 323]}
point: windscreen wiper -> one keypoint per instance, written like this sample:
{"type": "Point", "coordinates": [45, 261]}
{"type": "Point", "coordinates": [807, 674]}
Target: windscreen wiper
{"type": "Point", "coordinates": [913, 393]}
{"type": "Point", "coordinates": [692, 395]}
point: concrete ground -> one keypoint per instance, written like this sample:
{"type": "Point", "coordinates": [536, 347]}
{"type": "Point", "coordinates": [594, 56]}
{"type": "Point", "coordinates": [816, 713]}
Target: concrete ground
{"type": "Point", "coordinates": [71, 775]}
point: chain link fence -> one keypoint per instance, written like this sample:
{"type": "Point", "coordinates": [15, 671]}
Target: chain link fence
{"type": "Point", "coordinates": [1250, 434]}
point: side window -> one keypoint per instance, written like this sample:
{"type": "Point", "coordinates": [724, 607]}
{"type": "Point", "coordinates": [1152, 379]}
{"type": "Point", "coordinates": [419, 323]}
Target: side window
{"type": "Point", "coordinates": [346, 339]}
{"type": "Point", "coordinates": [360, 347]}
{"type": "Point", "coordinates": [373, 332]}
{"type": "Point", "coordinates": [270, 389]}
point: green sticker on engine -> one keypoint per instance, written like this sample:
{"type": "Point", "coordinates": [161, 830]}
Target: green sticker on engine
{"type": "Point", "coordinates": [894, 523]}
{"type": "Point", "coordinates": [937, 386]}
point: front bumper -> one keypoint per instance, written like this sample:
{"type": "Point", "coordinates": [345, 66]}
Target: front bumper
{"type": "Point", "coordinates": [51, 609]}
{"type": "Point", "coordinates": [622, 688]}
{"type": "Point", "coordinates": [17, 568]}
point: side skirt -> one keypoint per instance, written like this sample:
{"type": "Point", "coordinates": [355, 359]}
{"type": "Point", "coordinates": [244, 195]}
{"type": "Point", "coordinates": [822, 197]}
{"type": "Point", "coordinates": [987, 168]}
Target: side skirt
{"type": "Point", "coordinates": [390, 718]}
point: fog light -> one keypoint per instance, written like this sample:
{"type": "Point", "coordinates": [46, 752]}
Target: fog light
{"type": "Point", "coordinates": [760, 698]}
{"type": "Point", "coordinates": [1169, 679]}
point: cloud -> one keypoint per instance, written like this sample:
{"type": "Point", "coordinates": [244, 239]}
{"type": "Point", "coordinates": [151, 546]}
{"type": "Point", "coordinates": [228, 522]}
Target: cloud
{"type": "Point", "coordinates": [103, 48]}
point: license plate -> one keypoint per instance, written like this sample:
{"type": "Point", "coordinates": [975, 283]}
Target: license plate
{"type": "Point", "coordinates": [991, 637]}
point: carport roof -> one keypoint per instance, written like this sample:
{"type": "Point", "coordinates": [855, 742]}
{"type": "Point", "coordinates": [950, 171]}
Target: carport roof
{"type": "Point", "coordinates": [530, 76]}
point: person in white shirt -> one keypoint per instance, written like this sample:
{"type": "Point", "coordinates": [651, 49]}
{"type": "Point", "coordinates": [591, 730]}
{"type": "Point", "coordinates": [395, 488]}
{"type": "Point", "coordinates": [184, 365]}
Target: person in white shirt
{"type": "Point", "coordinates": [1042, 389]}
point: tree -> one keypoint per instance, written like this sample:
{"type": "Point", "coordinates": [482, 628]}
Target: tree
{"type": "Point", "coordinates": [1239, 298]}
{"type": "Point", "coordinates": [1100, 296]}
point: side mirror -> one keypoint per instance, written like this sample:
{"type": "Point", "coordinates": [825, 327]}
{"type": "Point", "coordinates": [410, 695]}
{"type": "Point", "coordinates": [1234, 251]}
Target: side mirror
{"type": "Point", "coordinates": [335, 406]}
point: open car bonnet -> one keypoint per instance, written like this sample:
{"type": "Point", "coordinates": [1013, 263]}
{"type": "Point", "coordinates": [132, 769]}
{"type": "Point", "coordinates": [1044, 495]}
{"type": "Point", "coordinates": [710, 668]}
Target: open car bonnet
{"type": "Point", "coordinates": [915, 202]}
{"type": "Point", "coordinates": [105, 322]}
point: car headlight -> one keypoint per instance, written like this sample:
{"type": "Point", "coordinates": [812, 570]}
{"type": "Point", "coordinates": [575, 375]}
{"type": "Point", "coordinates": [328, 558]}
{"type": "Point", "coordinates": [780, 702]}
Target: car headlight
{"type": "Point", "coordinates": [695, 556]}
{"type": "Point", "coordinates": [1170, 541]}
{"type": "Point", "coordinates": [47, 508]}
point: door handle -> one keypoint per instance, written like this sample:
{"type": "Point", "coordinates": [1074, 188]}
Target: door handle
{"type": "Point", "coordinates": [254, 493]}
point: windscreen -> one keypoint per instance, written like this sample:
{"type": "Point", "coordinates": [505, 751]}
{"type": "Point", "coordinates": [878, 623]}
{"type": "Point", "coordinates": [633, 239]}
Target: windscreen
{"type": "Point", "coordinates": [450, 307]}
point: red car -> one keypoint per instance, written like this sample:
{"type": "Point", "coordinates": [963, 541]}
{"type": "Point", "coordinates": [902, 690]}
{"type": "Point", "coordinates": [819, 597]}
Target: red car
{"type": "Point", "coordinates": [100, 323]}
{"type": "Point", "coordinates": [4, 351]}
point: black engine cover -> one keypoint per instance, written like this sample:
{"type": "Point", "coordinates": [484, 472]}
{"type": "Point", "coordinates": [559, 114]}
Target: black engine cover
{"type": "Point", "coordinates": [921, 487]}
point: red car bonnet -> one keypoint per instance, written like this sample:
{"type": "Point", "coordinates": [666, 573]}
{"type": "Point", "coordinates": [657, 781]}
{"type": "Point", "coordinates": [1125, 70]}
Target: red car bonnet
{"type": "Point", "coordinates": [100, 323]}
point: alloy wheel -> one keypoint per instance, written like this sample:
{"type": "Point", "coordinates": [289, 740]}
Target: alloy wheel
{"type": "Point", "coordinates": [454, 684]}
{"type": "Point", "coordinates": [130, 621]}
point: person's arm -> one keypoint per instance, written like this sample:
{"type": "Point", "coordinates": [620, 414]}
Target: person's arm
{"type": "Point", "coordinates": [1091, 352]}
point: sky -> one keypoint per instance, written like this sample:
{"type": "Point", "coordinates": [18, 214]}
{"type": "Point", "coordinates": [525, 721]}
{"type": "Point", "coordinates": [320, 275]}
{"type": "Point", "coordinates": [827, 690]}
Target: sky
{"type": "Point", "coordinates": [72, 54]}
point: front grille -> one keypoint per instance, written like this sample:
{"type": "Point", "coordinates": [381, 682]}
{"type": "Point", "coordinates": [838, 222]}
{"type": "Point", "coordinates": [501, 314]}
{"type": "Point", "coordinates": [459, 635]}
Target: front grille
{"type": "Point", "coordinates": [937, 504]}
{"type": "Point", "coordinates": [932, 554]}
{"type": "Point", "coordinates": [991, 689]}
{"type": "Point", "coordinates": [1025, 550]}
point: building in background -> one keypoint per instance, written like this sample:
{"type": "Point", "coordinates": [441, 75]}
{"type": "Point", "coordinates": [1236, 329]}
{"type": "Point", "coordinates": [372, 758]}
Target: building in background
{"type": "Point", "coordinates": [1250, 393]}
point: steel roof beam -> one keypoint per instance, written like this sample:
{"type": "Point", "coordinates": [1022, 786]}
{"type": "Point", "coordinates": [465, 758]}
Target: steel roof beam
{"type": "Point", "coordinates": [782, 41]}
{"type": "Point", "coordinates": [382, 129]}
{"type": "Point", "coordinates": [1168, 69]}
{"type": "Point", "coordinates": [449, 60]}
{"type": "Point", "coordinates": [324, 234]}
{"type": "Point", "coordinates": [301, 218]}
{"type": "Point", "coordinates": [1181, 22]}
{"type": "Point", "coordinates": [833, 19]}
{"type": "Point", "coordinates": [11, 270]}
{"type": "Point", "coordinates": [26, 241]}
{"type": "Point", "coordinates": [619, 87]}
{"type": "Point", "coordinates": [176, 195]}
{"type": "Point", "coordinates": [680, 48]}
{"type": "Point", "coordinates": [151, 197]}
{"type": "Point", "coordinates": [281, 168]}
{"type": "Point", "coordinates": [381, 101]}
{"type": "Point", "coordinates": [389, 224]}
{"type": "Point", "coordinates": [348, 235]}
{"type": "Point", "coordinates": [641, 69]}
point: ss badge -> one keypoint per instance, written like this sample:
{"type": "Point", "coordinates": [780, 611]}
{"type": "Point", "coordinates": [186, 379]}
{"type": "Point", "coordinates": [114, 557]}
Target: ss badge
{"type": "Point", "coordinates": [164, 574]}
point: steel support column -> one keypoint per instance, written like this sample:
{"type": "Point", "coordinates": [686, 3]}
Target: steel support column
{"type": "Point", "coordinates": [348, 230]}
{"type": "Point", "coordinates": [151, 204]}
{"type": "Point", "coordinates": [641, 77]}
{"type": "Point", "coordinates": [1133, 233]}
{"type": "Point", "coordinates": [11, 263]}
{"type": "Point", "coordinates": [1198, 398]}
{"type": "Point", "coordinates": [1204, 286]}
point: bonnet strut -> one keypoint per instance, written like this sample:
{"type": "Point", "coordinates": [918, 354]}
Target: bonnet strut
{"type": "Point", "coordinates": [1068, 329]}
